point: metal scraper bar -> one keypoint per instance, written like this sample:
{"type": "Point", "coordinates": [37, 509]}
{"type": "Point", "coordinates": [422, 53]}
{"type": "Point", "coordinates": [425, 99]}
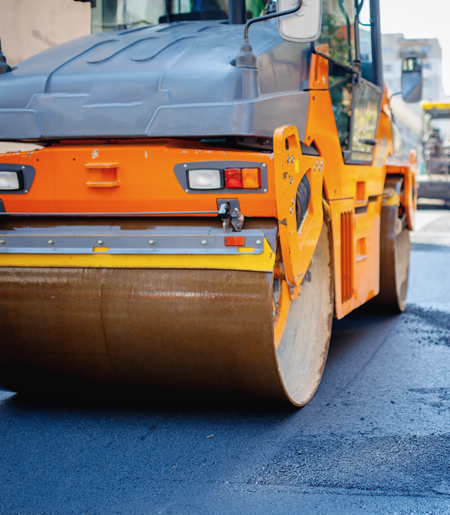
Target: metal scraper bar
{"type": "Point", "coordinates": [166, 241]}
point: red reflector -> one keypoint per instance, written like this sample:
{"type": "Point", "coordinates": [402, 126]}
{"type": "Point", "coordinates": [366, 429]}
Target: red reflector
{"type": "Point", "coordinates": [235, 241]}
{"type": "Point", "coordinates": [233, 178]}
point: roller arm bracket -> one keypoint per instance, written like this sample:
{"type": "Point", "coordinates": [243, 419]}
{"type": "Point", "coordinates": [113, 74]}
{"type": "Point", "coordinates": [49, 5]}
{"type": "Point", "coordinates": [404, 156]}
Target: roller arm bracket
{"type": "Point", "coordinates": [297, 245]}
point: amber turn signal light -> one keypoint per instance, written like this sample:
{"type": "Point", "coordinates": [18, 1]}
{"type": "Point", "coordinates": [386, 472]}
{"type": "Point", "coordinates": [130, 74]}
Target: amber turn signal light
{"type": "Point", "coordinates": [251, 178]}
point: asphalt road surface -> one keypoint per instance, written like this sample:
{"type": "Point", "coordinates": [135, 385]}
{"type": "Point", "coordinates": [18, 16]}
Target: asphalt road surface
{"type": "Point", "coordinates": [375, 438]}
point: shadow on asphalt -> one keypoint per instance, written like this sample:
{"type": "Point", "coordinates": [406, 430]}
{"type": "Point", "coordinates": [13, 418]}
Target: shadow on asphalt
{"type": "Point", "coordinates": [169, 403]}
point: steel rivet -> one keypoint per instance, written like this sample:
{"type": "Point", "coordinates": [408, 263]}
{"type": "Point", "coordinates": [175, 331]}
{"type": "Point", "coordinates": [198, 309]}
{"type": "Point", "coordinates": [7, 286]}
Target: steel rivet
{"type": "Point", "coordinates": [185, 166]}
{"type": "Point", "coordinates": [293, 160]}
{"type": "Point", "coordinates": [26, 191]}
{"type": "Point", "coordinates": [151, 242]}
{"type": "Point", "coordinates": [291, 180]}
{"type": "Point", "coordinates": [50, 242]}
{"type": "Point", "coordinates": [264, 164]}
{"type": "Point", "coordinates": [236, 209]}
{"type": "Point", "coordinates": [100, 242]}
{"type": "Point", "coordinates": [315, 168]}
{"type": "Point", "coordinates": [292, 210]}
{"type": "Point", "coordinates": [23, 167]}
{"type": "Point", "coordinates": [187, 191]}
{"type": "Point", "coordinates": [204, 242]}
{"type": "Point", "coordinates": [293, 201]}
{"type": "Point", "coordinates": [265, 191]}
{"type": "Point", "coordinates": [288, 159]}
{"type": "Point", "coordinates": [2, 242]}
{"type": "Point", "coordinates": [258, 242]}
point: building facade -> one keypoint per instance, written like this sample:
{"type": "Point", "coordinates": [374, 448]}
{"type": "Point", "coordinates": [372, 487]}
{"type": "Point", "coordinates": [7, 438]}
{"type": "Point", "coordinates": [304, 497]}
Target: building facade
{"type": "Point", "coordinates": [395, 48]}
{"type": "Point", "coordinates": [409, 117]}
{"type": "Point", "coordinates": [28, 27]}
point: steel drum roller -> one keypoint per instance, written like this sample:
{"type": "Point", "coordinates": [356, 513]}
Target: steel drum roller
{"type": "Point", "coordinates": [185, 329]}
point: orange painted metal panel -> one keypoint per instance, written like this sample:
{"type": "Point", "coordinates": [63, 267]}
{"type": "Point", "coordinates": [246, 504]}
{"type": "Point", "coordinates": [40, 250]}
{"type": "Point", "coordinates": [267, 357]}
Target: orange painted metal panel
{"type": "Point", "coordinates": [344, 195]}
{"type": "Point", "coordinates": [347, 256]}
{"type": "Point", "coordinates": [318, 77]}
{"type": "Point", "coordinates": [144, 172]}
{"type": "Point", "coordinates": [290, 166]}
{"type": "Point", "coordinates": [364, 268]}
{"type": "Point", "coordinates": [337, 208]}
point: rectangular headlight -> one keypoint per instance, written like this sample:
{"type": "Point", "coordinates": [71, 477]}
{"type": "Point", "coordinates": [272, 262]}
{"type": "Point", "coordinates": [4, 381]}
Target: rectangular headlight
{"type": "Point", "coordinates": [205, 179]}
{"type": "Point", "coordinates": [9, 181]}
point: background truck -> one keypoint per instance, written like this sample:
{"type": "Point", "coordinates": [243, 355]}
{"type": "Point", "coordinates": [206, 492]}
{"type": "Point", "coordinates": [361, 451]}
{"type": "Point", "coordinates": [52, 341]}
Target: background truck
{"type": "Point", "coordinates": [211, 191]}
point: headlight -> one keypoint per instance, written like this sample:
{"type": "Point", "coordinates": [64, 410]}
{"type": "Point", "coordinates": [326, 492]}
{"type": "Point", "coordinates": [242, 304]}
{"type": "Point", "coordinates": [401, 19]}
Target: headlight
{"type": "Point", "coordinates": [205, 179]}
{"type": "Point", "coordinates": [9, 181]}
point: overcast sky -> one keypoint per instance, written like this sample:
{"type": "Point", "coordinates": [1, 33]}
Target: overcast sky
{"type": "Point", "coordinates": [420, 19]}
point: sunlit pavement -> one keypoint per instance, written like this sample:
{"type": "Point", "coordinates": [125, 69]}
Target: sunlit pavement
{"type": "Point", "coordinates": [375, 438]}
{"type": "Point", "coordinates": [432, 227]}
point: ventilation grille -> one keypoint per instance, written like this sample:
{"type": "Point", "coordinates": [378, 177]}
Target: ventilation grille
{"type": "Point", "coordinates": [346, 255]}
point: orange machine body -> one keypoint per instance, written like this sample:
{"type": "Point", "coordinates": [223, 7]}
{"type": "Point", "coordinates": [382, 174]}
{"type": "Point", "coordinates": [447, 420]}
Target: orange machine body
{"type": "Point", "coordinates": [137, 178]}
{"type": "Point", "coordinates": [126, 177]}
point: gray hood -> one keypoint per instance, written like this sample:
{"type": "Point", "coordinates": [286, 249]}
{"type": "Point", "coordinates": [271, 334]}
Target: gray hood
{"type": "Point", "coordinates": [173, 80]}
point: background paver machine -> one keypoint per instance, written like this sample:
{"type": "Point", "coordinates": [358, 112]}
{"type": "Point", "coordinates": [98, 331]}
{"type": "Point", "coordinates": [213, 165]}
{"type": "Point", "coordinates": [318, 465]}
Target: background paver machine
{"type": "Point", "coordinates": [435, 183]}
{"type": "Point", "coordinates": [203, 204]}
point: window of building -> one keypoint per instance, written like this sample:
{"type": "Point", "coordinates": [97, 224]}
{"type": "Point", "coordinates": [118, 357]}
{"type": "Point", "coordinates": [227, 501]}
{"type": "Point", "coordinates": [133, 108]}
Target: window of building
{"type": "Point", "coordinates": [408, 49]}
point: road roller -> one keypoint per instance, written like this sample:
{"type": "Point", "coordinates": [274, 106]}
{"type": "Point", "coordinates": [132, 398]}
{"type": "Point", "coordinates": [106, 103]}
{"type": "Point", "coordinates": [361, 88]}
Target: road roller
{"type": "Point", "coordinates": [212, 187]}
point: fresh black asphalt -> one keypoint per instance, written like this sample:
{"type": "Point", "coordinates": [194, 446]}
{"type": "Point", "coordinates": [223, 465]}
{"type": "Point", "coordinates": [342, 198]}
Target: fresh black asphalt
{"type": "Point", "coordinates": [375, 438]}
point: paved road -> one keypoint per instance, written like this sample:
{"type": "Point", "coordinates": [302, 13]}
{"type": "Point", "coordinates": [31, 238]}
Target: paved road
{"type": "Point", "coordinates": [375, 438]}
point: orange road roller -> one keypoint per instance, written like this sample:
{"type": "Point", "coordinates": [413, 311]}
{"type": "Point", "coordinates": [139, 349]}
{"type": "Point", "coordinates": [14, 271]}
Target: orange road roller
{"type": "Point", "coordinates": [213, 186]}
